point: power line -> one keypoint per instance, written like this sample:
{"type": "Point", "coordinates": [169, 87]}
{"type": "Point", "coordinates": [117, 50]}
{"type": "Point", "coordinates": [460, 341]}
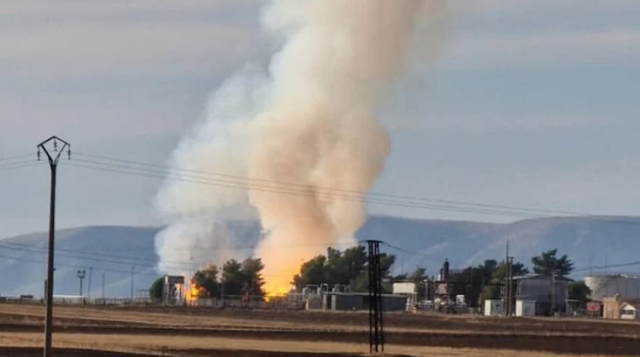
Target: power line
{"type": "Point", "coordinates": [621, 265]}
{"type": "Point", "coordinates": [305, 190]}
{"type": "Point", "coordinates": [14, 158]}
{"type": "Point", "coordinates": [19, 165]}
{"type": "Point", "coordinates": [71, 265]}
{"type": "Point", "coordinates": [134, 260]}
{"type": "Point", "coordinates": [128, 260]}
{"type": "Point", "coordinates": [162, 175]}
{"type": "Point", "coordinates": [320, 195]}
{"type": "Point", "coordinates": [363, 193]}
{"type": "Point", "coordinates": [75, 256]}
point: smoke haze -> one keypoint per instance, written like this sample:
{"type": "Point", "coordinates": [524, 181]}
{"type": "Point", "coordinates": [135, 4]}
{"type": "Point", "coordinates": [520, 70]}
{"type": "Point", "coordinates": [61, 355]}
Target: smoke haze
{"type": "Point", "coordinates": [309, 121]}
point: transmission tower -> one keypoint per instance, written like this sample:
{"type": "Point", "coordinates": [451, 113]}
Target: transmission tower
{"type": "Point", "coordinates": [376, 331]}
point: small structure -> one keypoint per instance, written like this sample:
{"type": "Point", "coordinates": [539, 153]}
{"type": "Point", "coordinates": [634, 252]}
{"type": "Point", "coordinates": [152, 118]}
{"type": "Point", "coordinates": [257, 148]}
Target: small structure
{"type": "Point", "coordinates": [611, 307]}
{"type": "Point", "coordinates": [630, 311]}
{"type": "Point", "coordinates": [408, 289]}
{"type": "Point", "coordinates": [173, 290]}
{"type": "Point", "coordinates": [594, 309]}
{"type": "Point", "coordinates": [616, 307]}
{"type": "Point", "coordinates": [525, 308]}
{"type": "Point", "coordinates": [493, 308]}
{"type": "Point", "coordinates": [443, 290]}
{"type": "Point", "coordinates": [405, 287]}
{"type": "Point", "coordinates": [360, 301]}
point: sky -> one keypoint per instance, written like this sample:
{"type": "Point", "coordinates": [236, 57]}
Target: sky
{"type": "Point", "coordinates": [531, 103]}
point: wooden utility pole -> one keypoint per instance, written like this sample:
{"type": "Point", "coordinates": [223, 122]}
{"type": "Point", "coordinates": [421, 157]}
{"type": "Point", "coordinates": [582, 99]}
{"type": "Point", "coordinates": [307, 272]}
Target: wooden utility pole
{"type": "Point", "coordinates": [505, 293]}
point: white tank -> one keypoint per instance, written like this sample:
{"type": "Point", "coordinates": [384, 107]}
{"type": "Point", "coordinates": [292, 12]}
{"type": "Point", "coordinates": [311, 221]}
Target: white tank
{"type": "Point", "coordinates": [602, 286]}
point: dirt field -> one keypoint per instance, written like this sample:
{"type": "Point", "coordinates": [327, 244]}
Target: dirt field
{"type": "Point", "coordinates": [84, 331]}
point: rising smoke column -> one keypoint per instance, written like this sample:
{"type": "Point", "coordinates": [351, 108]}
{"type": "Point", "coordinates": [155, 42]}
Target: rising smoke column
{"type": "Point", "coordinates": [310, 123]}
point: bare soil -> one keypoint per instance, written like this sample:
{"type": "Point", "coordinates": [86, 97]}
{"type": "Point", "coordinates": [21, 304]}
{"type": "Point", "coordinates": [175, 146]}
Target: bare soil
{"type": "Point", "coordinates": [413, 332]}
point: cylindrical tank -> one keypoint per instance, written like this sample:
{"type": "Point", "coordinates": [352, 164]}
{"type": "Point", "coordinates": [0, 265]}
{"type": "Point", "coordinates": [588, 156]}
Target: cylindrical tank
{"type": "Point", "coordinates": [611, 284]}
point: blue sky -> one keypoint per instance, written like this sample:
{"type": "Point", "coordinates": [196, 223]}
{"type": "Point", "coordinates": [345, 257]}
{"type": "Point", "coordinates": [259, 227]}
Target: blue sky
{"type": "Point", "coordinates": [532, 103]}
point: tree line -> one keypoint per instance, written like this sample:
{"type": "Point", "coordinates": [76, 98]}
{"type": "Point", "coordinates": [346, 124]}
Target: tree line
{"type": "Point", "coordinates": [349, 267]}
{"type": "Point", "coordinates": [234, 278]}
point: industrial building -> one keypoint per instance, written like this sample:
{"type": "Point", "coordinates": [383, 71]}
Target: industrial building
{"type": "Point", "coordinates": [609, 285]}
{"type": "Point", "coordinates": [319, 297]}
{"type": "Point", "coordinates": [360, 301]}
{"type": "Point", "coordinates": [548, 294]}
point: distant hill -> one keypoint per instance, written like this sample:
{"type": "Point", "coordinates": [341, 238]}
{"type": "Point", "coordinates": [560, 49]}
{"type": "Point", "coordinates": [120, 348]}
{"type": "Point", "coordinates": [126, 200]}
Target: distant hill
{"type": "Point", "coordinates": [588, 241]}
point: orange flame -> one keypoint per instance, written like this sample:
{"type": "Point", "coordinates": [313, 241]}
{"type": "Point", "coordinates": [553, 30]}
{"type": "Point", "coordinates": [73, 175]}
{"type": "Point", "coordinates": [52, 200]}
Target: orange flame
{"type": "Point", "coordinates": [193, 293]}
{"type": "Point", "coordinates": [277, 285]}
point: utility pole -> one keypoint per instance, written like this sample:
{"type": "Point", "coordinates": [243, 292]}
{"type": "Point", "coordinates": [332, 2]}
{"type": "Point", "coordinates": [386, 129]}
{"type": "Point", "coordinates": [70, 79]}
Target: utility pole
{"type": "Point", "coordinates": [505, 293]}
{"type": "Point", "coordinates": [89, 288]}
{"type": "Point", "coordinates": [190, 277]}
{"type": "Point", "coordinates": [132, 272]}
{"type": "Point", "coordinates": [103, 276]}
{"type": "Point", "coordinates": [510, 286]}
{"type": "Point", "coordinates": [53, 158]}
{"type": "Point", "coordinates": [81, 274]}
{"type": "Point", "coordinates": [553, 292]}
{"type": "Point", "coordinates": [376, 331]}
{"type": "Point", "coordinates": [222, 281]}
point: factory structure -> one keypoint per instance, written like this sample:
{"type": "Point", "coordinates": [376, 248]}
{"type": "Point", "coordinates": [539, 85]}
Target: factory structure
{"type": "Point", "coordinates": [615, 296]}
{"type": "Point", "coordinates": [405, 296]}
{"type": "Point", "coordinates": [339, 298]}
{"type": "Point", "coordinates": [608, 285]}
{"type": "Point", "coordinates": [532, 295]}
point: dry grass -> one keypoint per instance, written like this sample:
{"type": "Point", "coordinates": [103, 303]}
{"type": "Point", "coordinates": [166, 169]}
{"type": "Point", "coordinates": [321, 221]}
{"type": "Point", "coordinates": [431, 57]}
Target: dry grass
{"type": "Point", "coordinates": [443, 324]}
{"type": "Point", "coordinates": [159, 344]}
{"type": "Point", "coordinates": [207, 319]}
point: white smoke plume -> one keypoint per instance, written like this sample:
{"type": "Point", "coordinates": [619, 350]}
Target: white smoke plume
{"type": "Point", "coordinates": [309, 121]}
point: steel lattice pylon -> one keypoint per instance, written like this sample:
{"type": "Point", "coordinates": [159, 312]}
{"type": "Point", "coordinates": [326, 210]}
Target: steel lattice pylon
{"type": "Point", "coordinates": [376, 331]}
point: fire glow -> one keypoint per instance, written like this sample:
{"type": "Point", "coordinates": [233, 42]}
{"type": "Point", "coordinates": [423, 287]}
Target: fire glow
{"type": "Point", "coordinates": [306, 129]}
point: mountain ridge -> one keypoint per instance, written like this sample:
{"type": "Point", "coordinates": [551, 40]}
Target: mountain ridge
{"type": "Point", "coordinates": [116, 250]}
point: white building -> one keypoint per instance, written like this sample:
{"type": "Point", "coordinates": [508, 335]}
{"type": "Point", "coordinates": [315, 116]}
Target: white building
{"type": "Point", "coordinates": [629, 311]}
{"type": "Point", "coordinates": [406, 288]}
{"type": "Point", "coordinates": [525, 308]}
{"type": "Point", "coordinates": [493, 308]}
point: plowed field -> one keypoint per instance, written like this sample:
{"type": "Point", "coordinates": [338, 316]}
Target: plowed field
{"type": "Point", "coordinates": [84, 331]}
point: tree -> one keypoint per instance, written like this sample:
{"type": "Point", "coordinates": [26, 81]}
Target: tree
{"type": "Point", "coordinates": [236, 279]}
{"type": "Point", "coordinates": [348, 267]}
{"type": "Point", "coordinates": [311, 272]}
{"type": "Point", "coordinates": [232, 278]}
{"type": "Point", "coordinates": [482, 281]}
{"type": "Point", "coordinates": [517, 269]}
{"type": "Point", "coordinates": [418, 275]}
{"type": "Point", "coordinates": [497, 272]}
{"type": "Point", "coordinates": [549, 264]}
{"type": "Point", "coordinates": [360, 284]}
{"type": "Point", "coordinates": [156, 290]}
{"type": "Point", "coordinates": [578, 290]}
{"type": "Point", "coordinates": [252, 275]}
{"type": "Point", "coordinates": [206, 280]}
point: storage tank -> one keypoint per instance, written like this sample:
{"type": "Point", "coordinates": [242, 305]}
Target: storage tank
{"type": "Point", "coordinates": [627, 286]}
